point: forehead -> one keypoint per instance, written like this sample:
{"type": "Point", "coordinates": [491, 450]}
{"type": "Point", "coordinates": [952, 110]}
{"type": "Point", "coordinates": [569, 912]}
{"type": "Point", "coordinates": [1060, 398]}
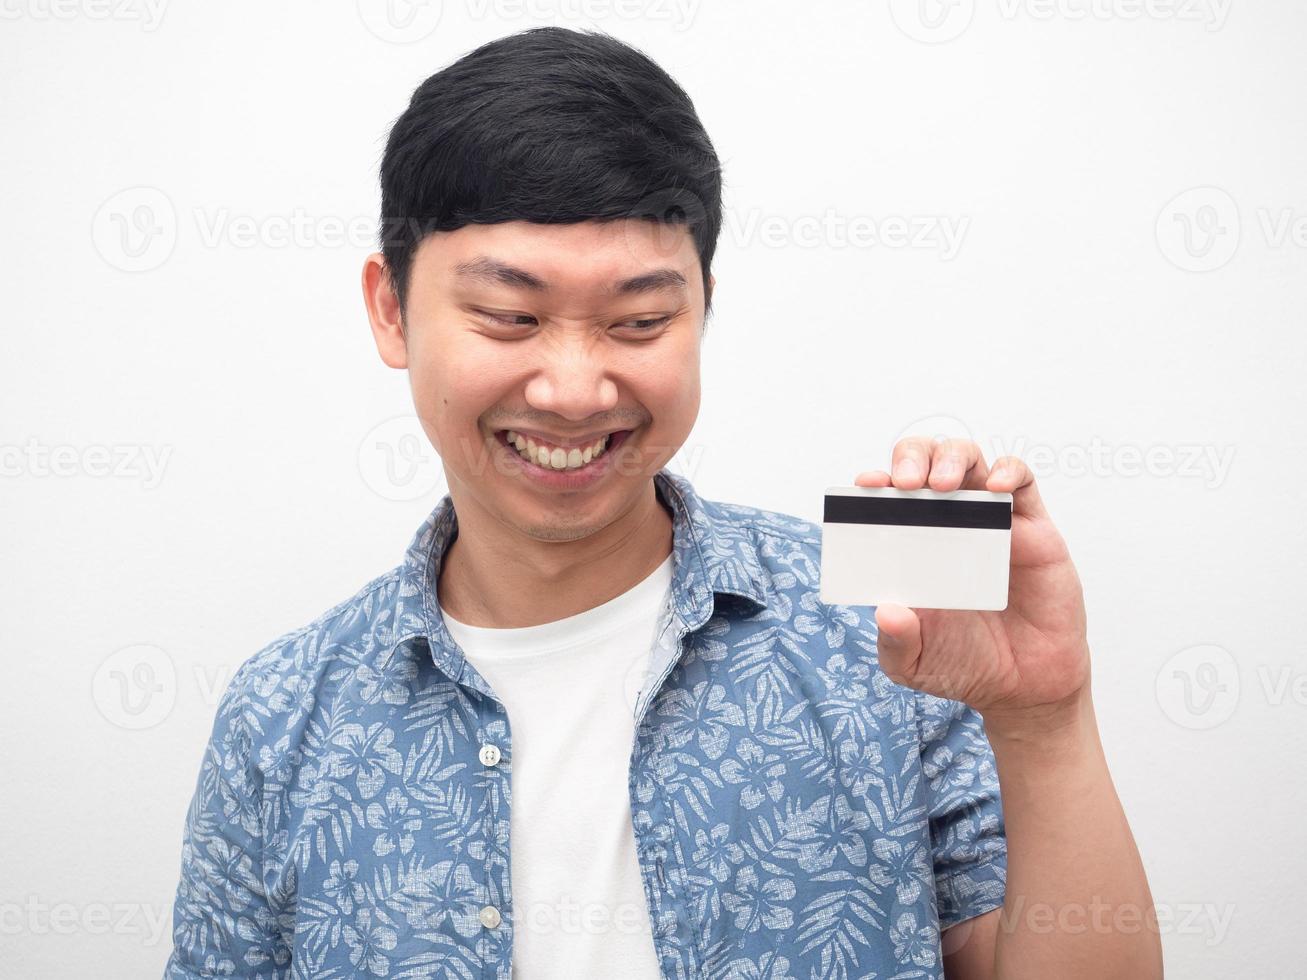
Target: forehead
{"type": "Point", "coordinates": [588, 256]}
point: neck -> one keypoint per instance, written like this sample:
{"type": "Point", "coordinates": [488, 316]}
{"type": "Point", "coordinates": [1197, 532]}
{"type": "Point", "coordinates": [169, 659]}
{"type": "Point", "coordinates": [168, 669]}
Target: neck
{"type": "Point", "coordinates": [495, 576]}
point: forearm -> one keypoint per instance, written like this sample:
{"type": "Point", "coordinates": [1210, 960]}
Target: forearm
{"type": "Point", "coordinates": [1077, 903]}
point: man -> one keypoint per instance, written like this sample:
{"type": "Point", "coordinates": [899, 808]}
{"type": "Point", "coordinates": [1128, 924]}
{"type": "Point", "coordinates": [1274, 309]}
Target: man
{"type": "Point", "coordinates": [595, 725]}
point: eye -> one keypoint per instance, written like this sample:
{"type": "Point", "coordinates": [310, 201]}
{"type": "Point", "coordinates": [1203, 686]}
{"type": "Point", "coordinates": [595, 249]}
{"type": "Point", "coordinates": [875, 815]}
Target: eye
{"type": "Point", "coordinates": [648, 324]}
{"type": "Point", "coordinates": [507, 319]}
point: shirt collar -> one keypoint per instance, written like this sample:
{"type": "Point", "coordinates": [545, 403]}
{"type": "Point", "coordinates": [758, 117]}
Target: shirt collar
{"type": "Point", "coordinates": [713, 553]}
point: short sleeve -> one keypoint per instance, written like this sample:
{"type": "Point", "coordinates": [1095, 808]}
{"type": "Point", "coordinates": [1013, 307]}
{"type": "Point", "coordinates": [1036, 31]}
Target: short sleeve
{"type": "Point", "coordinates": [222, 923]}
{"type": "Point", "coordinates": [968, 840]}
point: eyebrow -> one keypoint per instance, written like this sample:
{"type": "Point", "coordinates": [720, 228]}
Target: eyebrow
{"type": "Point", "coordinates": [484, 269]}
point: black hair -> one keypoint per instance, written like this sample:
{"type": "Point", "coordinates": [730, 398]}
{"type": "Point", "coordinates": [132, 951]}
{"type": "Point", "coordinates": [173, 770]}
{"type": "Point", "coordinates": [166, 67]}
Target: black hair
{"type": "Point", "coordinates": [548, 125]}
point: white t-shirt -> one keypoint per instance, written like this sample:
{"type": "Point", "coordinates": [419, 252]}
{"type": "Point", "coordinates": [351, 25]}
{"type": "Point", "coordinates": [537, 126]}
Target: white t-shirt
{"type": "Point", "coordinates": [569, 688]}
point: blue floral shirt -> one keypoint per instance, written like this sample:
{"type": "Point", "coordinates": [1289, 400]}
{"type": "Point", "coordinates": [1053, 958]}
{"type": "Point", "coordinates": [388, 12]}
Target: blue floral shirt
{"type": "Point", "coordinates": [797, 815]}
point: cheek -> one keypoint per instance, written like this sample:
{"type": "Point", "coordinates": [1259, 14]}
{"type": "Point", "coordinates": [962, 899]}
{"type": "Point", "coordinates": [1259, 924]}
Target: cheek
{"type": "Point", "coordinates": [671, 394]}
{"type": "Point", "coordinates": [452, 385]}
{"type": "Point", "coordinates": [669, 386]}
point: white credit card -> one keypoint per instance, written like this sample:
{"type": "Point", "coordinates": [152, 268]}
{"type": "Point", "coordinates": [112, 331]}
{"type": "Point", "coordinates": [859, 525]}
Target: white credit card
{"type": "Point", "coordinates": [921, 548]}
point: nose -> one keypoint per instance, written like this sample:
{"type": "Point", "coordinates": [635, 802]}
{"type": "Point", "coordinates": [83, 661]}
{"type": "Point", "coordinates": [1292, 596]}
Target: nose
{"type": "Point", "coordinates": [573, 378]}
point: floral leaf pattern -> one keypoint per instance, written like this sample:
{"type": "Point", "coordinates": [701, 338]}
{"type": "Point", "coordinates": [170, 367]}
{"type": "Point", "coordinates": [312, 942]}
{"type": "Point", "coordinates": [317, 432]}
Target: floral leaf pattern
{"type": "Point", "coordinates": [797, 815]}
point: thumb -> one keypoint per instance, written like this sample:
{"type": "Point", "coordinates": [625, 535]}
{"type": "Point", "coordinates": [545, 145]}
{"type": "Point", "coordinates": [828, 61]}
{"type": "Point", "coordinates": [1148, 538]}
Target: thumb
{"type": "Point", "coordinates": [898, 642]}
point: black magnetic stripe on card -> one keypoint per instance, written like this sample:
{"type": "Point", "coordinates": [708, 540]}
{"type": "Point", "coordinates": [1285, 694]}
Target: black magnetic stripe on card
{"type": "Point", "coordinates": [918, 512]}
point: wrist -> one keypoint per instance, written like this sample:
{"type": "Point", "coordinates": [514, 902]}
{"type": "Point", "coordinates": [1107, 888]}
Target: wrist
{"type": "Point", "coordinates": [1068, 720]}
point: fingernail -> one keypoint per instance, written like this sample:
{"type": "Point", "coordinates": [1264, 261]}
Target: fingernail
{"type": "Point", "coordinates": [906, 470]}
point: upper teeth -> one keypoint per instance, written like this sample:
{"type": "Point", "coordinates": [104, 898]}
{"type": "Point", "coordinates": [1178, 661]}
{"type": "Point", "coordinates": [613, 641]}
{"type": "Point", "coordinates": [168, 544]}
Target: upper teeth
{"type": "Point", "coordinates": [555, 457]}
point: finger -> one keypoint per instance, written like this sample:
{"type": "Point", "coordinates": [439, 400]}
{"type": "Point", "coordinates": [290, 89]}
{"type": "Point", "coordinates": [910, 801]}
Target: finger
{"type": "Point", "coordinates": [1011, 475]}
{"type": "Point", "coordinates": [910, 462]}
{"type": "Point", "coordinates": [977, 475]}
{"type": "Point", "coordinates": [954, 463]}
{"type": "Point", "coordinates": [898, 641]}
{"type": "Point", "coordinates": [872, 478]}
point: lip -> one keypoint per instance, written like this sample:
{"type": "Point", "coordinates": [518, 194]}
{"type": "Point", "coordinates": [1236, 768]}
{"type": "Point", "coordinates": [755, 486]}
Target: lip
{"type": "Point", "coordinates": [578, 479]}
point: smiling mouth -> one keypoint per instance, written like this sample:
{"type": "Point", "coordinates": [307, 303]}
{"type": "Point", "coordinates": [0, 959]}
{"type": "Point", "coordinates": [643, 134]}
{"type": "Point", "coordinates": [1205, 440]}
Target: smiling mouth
{"type": "Point", "coordinates": [555, 456]}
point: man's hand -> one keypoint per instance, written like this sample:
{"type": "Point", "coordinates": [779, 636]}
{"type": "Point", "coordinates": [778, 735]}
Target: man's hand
{"type": "Point", "coordinates": [1019, 667]}
{"type": "Point", "coordinates": [1026, 671]}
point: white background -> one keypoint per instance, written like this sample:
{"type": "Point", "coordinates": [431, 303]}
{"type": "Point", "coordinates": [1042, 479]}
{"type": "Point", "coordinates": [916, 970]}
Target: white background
{"type": "Point", "coordinates": [1094, 307]}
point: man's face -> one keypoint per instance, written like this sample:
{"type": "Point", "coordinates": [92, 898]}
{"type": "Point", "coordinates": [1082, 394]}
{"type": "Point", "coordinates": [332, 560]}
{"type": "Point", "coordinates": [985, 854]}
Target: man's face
{"type": "Point", "coordinates": [580, 340]}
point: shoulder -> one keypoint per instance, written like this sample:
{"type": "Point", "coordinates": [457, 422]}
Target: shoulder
{"type": "Point", "coordinates": [272, 681]}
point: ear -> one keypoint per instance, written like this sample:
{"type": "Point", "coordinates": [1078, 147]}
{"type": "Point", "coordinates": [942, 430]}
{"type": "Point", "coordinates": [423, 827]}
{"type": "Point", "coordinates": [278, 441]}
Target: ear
{"type": "Point", "coordinates": [383, 312]}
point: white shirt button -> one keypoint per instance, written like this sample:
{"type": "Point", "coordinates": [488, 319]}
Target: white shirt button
{"type": "Point", "coordinates": [489, 915]}
{"type": "Point", "coordinates": [489, 755]}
